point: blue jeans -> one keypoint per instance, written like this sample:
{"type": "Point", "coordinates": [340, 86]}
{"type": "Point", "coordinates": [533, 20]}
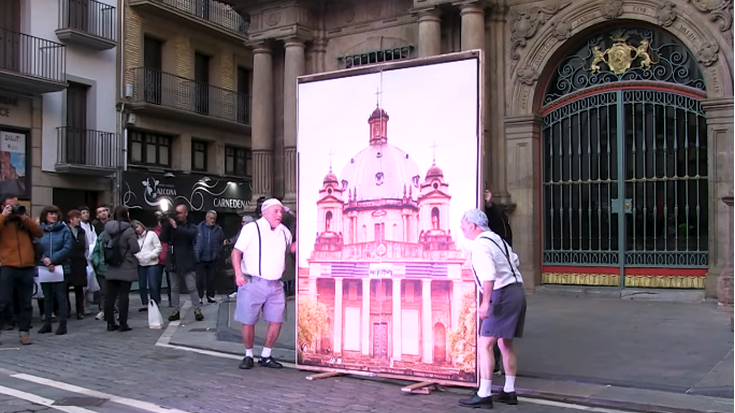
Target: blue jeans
{"type": "Point", "coordinates": [149, 279]}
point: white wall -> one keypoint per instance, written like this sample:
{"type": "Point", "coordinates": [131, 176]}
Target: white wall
{"type": "Point", "coordinates": [83, 65]}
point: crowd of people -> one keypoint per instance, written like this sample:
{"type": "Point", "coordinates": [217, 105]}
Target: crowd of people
{"type": "Point", "coordinates": [112, 251]}
{"type": "Point", "coordinates": [98, 259]}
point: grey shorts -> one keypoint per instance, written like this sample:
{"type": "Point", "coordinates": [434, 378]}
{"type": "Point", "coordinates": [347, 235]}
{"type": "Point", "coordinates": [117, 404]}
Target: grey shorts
{"type": "Point", "coordinates": [507, 315]}
{"type": "Point", "coordinates": [260, 294]}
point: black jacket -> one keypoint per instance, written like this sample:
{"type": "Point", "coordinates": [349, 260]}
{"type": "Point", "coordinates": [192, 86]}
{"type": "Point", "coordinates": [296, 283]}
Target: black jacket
{"type": "Point", "coordinates": [499, 223]}
{"type": "Point", "coordinates": [180, 257]}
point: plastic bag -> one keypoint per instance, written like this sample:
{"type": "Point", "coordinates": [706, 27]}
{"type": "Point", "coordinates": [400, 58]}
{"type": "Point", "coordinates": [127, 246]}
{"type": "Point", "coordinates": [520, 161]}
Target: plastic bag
{"type": "Point", "coordinates": [155, 320]}
{"type": "Point", "coordinates": [92, 285]}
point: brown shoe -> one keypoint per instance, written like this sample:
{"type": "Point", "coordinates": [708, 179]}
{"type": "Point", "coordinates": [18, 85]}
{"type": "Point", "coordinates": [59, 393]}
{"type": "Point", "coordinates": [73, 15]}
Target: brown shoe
{"type": "Point", "coordinates": [25, 340]}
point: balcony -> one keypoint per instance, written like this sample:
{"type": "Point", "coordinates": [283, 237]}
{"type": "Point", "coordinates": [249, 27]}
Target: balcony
{"type": "Point", "coordinates": [86, 152]}
{"type": "Point", "coordinates": [217, 19]}
{"type": "Point", "coordinates": [87, 23]}
{"type": "Point", "coordinates": [167, 95]}
{"type": "Point", "coordinates": [30, 65]}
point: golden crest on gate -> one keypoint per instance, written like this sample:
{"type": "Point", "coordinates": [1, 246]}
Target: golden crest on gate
{"type": "Point", "coordinates": [620, 56]}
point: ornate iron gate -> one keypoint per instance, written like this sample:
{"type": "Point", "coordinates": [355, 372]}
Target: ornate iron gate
{"type": "Point", "coordinates": [625, 171]}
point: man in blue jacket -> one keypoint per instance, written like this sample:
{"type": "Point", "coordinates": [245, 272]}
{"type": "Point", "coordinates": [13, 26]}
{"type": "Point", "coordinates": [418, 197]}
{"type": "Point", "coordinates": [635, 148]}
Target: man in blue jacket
{"type": "Point", "coordinates": [180, 235]}
{"type": "Point", "coordinates": [207, 249]}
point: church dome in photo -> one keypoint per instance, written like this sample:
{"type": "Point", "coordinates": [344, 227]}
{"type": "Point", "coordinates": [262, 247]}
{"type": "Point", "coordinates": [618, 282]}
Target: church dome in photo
{"type": "Point", "coordinates": [380, 171]}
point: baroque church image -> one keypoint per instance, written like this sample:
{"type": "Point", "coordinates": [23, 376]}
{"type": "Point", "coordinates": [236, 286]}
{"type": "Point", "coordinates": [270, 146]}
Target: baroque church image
{"type": "Point", "coordinates": [385, 280]}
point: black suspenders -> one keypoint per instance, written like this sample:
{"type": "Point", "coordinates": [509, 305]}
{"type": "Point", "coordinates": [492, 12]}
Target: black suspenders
{"type": "Point", "coordinates": [507, 257]}
{"type": "Point", "coordinates": [260, 249]}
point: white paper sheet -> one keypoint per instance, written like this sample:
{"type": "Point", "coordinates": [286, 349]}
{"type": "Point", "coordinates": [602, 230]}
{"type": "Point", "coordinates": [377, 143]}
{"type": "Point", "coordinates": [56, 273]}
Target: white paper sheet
{"type": "Point", "coordinates": [46, 276]}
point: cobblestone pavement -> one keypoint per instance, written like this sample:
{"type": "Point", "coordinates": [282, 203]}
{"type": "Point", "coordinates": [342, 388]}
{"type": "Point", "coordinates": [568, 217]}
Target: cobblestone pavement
{"type": "Point", "coordinates": [129, 365]}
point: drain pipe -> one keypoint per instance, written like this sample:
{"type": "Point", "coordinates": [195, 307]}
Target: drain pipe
{"type": "Point", "coordinates": [122, 141]}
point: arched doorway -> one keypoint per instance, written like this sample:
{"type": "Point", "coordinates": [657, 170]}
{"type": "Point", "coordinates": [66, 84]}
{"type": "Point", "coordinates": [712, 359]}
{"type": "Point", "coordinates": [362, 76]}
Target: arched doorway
{"type": "Point", "coordinates": [624, 150]}
{"type": "Point", "coordinates": [440, 343]}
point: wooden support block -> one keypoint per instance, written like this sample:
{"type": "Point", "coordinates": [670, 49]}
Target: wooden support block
{"type": "Point", "coordinates": [424, 387]}
{"type": "Point", "coordinates": [323, 375]}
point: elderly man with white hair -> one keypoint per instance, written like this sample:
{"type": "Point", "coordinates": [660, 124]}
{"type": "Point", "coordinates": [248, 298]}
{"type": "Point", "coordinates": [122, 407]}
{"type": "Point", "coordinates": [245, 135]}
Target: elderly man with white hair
{"type": "Point", "coordinates": [258, 261]}
{"type": "Point", "coordinates": [502, 306]}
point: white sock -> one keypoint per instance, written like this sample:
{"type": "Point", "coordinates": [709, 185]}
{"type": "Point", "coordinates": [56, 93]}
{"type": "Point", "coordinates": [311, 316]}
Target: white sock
{"type": "Point", "coordinates": [266, 353]}
{"type": "Point", "coordinates": [485, 389]}
{"type": "Point", "coordinates": [248, 352]}
{"type": "Point", "coordinates": [510, 384]}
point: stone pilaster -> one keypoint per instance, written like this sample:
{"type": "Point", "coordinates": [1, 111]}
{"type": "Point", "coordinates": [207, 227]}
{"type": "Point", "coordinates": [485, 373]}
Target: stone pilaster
{"type": "Point", "coordinates": [725, 279]}
{"type": "Point", "coordinates": [719, 113]}
{"type": "Point", "coordinates": [522, 135]}
{"type": "Point", "coordinates": [262, 127]}
{"type": "Point", "coordinates": [430, 32]}
{"type": "Point", "coordinates": [294, 66]}
{"type": "Point", "coordinates": [473, 26]}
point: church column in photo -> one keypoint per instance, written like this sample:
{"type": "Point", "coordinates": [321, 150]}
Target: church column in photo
{"type": "Point", "coordinates": [337, 323]}
{"type": "Point", "coordinates": [262, 124]}
{"type": "Point", "coordinates": [366, 316]}
{"type": "Point", "coordinates": [427, 328]}
{"type": "Point", "coordinates": [294, 66]}
{"type": "Point", "coordinates": [457, 301]}
{"type": "Point", "coordinates": [397, 314]}
{"type": "Point", "coordinates": [473, 26]}
{"type": "Point", "coordinates": [430, 32]}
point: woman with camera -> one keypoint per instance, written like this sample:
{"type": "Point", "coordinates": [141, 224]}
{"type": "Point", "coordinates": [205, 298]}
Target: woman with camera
{"type": "Point", "coordinates": [57, 243]}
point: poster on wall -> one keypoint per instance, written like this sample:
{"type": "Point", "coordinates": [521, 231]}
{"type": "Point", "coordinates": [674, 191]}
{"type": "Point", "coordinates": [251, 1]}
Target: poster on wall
{"type": "Point", "coordinates": [13, 164]}
{"type": "Point", "coordinates": [387, 166]}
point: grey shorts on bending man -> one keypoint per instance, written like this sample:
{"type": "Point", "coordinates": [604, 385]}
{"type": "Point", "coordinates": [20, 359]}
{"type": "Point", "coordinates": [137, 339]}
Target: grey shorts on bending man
{"type": "Point", "coordinates": [258, 294]}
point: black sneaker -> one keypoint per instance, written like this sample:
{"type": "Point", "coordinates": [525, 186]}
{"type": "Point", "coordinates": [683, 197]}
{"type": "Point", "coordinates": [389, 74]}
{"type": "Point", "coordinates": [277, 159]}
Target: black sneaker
{"type": "Point", "coordinates": [477, 402]}
{"type": "Point", "coordinates": [246, 363]}
{"type": "Point", "coordinates": [269, 362]}
{"type": "Point", "coordinates": [211, 300]}
{"type": "Point", "coordinates": [508, 398]}
{"type": "Point", "coordinates": [175, 316]}
{"type": "Point", "coordinates": [198, 315]}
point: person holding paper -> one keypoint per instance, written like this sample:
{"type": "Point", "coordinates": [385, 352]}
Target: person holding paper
{"type": "Point", "coordinates": [17, 256]}
{"type": "Point", "coordinates": [57, 243]}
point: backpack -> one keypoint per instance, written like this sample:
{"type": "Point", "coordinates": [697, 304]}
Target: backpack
{"type": "Point", "coordinates": [113, 253]}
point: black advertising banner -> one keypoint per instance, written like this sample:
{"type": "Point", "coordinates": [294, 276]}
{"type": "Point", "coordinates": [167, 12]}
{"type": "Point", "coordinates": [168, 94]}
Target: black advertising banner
{"type": "Point", "coordinates": [149, 191]}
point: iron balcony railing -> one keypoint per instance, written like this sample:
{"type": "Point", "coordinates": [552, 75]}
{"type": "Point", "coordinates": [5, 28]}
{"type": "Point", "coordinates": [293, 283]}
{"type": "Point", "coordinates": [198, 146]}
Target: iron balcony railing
{"type": "Point", "coordinates": [171, 91]}
{"type": "Point", "coordinates": [89, 16]}
{"type": "Point", "coordinates": [84, 147]}
{"type": "Point", "coordinates": [32, 56]}
{"type": "Point", "coordinates": [212, 11]}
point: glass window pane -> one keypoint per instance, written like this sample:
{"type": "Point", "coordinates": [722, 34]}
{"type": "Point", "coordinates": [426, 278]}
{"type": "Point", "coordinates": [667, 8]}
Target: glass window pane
{"type": "Point", "coordinates": [136, 152]}
{"type": "Point", "coordinates": [150, 153]}
{"type": "Point", "coordinates": [163, 155]}
{"type": "Point", "coordinates": [199, 160]}
{"type": "Point", "coordinates": [229, 165]}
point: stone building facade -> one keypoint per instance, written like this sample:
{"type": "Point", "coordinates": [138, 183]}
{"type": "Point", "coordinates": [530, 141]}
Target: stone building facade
{"type": "Point", "coordinates": [185, 104]}
{"type": "Point", "coordinates": [655, 84]}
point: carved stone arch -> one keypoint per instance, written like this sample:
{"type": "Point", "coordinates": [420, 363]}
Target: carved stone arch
{"type": "Point", "coordinates": [561, 31]}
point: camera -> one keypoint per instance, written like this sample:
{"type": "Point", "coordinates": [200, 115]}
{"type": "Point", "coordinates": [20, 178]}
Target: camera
{"type": "Point", "coordinates": [17, 210]}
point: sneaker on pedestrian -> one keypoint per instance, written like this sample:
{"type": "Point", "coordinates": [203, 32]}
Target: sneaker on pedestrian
{"type": "Point", "coordinates": [497, 373]}
{"type": "Point", "coordinates": [100, 316]}
{"type": "Point", "coordinates": [269, 362]}
{"type": "Point", "coordinates": [198, 315]}
{"type": "Point", "coordinates": [246, 363]}
{"type": "Point", "coordinates": [45, 328]}
{"type": "Point", "coordinates": [61, 330]}
{"type": "Point", "coordinates": [143, 309]}
{"type": "Point", "coordinates": [233, 295]}
{"type": "Point", "coordinates": [175, 316]}
{"type": "Point", "coordinates": [25, 339]}
{"type": "Point", "coordinates": [211, 300]}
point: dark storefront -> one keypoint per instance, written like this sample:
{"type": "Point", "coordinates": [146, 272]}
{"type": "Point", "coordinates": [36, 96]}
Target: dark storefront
{"type": "Point", "coordinates": [146, 193]}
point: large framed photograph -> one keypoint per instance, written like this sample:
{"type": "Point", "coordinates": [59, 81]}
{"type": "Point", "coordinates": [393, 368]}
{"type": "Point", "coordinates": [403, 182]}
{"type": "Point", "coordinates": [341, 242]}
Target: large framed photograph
{"type": "Point", "coordinates": [388, 163]}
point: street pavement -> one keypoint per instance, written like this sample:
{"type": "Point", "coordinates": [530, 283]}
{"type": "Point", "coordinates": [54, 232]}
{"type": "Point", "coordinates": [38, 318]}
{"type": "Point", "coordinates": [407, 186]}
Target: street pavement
{"type": "Point", "coordinates": [92, 370]}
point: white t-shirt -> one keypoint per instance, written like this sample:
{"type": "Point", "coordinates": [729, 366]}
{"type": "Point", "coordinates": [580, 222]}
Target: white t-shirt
{"type": "Point", "coordinates": [489, 261]}
{"type": "Point", "coordinates": [274, 242]}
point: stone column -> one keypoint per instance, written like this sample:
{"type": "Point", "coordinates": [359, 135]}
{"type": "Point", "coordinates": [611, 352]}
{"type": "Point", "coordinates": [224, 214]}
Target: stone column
{"type": "Point", "coordinates": [430, 32]}
{"type": "Point", "coordinates": [522, 134]}
{"type": "Point", "coordinates": [337, 319]}
{"type": "Point", "coordinates": [473, 26]}
{"type": "Point", "coordinates": [396, 317]}
{"type": "Point", "coordinates": [365, 330]}
{"type": "Point", "coordinates": [262, 124]}
{"type": "Point", "coordinates": [294, 66]}
{"type": "Point", "coordinates": [725, 279]}
{"type": "Point", "coordinates": [494, 161]}
{"type": "Point", "coordinates": [719, 113]}
{"type": "Point", "coordinates": [427, 325]}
